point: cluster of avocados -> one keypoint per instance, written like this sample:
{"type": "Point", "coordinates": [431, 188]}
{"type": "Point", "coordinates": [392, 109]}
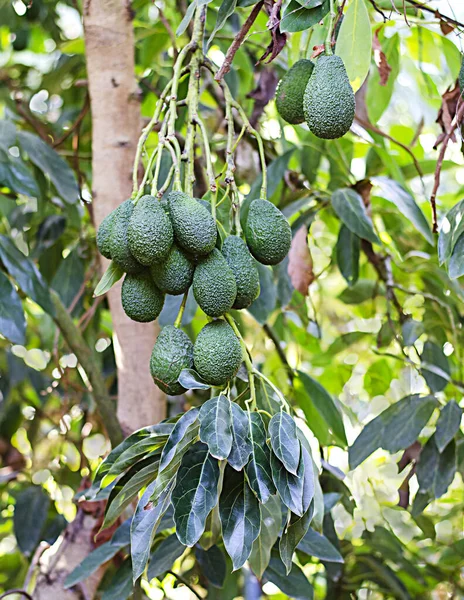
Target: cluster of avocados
{"type": "Point", "coordinates": [166, 246]}
{"type": "Point", "coordinates": [318, 93]}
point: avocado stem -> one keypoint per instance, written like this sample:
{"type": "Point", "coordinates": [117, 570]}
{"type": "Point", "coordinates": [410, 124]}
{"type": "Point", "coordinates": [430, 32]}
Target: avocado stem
{"type": "Point", "coordinates": [328, 39]}
{"type": "Point", "coordinates": [247, 359]}
{"type": "Point", "coordinates": [180, 314]}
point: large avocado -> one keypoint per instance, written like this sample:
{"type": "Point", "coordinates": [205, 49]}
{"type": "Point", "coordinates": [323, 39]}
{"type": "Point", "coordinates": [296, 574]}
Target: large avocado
{"type": "Point", "coordinates": [150, 231]}
{"type": "Point", "coordinates": [267, 232]}
{"type": "Point", "coordinates": [194, 227]}
{"type": "Point", "coordinates": [217, 353]}
{"type": "Point", "coordinates": [104, 235]}
{"type": "Point", "coordinates": [119, 242]}
{"type": "Point", "coordinates": [214, 285]}
{"type": "Point", "coordinates": [175, 274]}
{"type": "Point", "coordinates": [328, 101]}
{"type": "Point", "coordinates": [173, 351]}
{"type": "Point", "coordinates": [244, 268]}
{"type": "Point", "coordinates": [291, 89]}
{"type": "Point", "coordinates": [141, 300]}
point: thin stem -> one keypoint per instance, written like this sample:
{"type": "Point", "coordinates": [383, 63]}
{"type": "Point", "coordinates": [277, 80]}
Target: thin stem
{"type": "Point", "coordinates": [17, 591]}
{"type": "Point", "coordinates": [175, 162]}
{"type": "Point", "coordinates": [166, 183]}
{"type": "Point", "coordinates": [328, 39]}
{"type": "Point", "coordinates": [186, 583]}
{"type": "Point", "coordinates": [151, 160]}
{"type": "Point", "coordinates": [174, 87]}
{"type": "Point", "coordinates": [180, 314]}
{"type": "Point", "coordinates": [247, 359]}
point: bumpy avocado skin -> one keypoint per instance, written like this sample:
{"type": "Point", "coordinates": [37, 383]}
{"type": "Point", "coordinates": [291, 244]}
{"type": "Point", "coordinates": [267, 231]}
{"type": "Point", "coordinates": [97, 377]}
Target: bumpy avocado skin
{"type": "Point", "coordinates": [141, 300]}
{"type": "Point", "coordinates": [217, 353]}
{"type": "Point", "coordinates": [150, 232]}
{"type": "Point", "coordinates": [244, 268]}
{"type": "Point", "coordinates": [194, 227]}
{"type": "Point", "coordinates": [119, 242]}
{"type": "Point", "coordinates": [172, 352]}
{"type": "Point", "coordinates": [175, 274]}
{"type": "Point", "coordinates": [267, 232]}
{"type": "Point", "coordinates": [104, 235]}
{"type": "Point", "coordinates": [328, 101]}
{"type": "Point", "coordinates": [214, 285]}
{"type": "Point", "coordinates": [461, 77]}
{"type": "Point", "coordinates": [290, 91]}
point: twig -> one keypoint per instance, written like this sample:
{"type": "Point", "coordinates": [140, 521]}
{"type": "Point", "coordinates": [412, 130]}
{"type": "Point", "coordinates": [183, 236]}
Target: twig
{"type": "Point", "coordinates": [378, 10]}
{"type": "Point", "coordinates": [330, 29]}
{"type": "Point", "coordinates": [435, 12]}
{"type": "Point", "coordinates": [247, 359]}
{"type": "Point", "coordinates": [36, 125]}
{"type": "Point", "coordinates": [275, 340]}
{"type": "Point", "coordinates": [17, 591]}
{"type": "Point", "coordinates": [339, 16]}
{"type": "Point", "coordinates": [170, 32]}
{"type": "Point", "coordinates": [76, 124]}
{"type": "Point", "coordinates": [186, 583]}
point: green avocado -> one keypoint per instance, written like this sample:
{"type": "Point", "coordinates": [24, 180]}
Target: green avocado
{"type": "Point", "coordinates": [194, 227]}
{"type": "Point", "coordinates": [150, 231]}
{"type": "Point", "coordinates": [267, 232]}
{"type": "Point", "coordinates": [141, 300]}
{"type": "Point", "coordinates": [244, 268]}
{"type": "Point", "coordinates": [461, 76]}
{"type": "Point", "coordinates": [104, 235]}
{"type": "Point", "coordinates": [173, 351]}
{"type": "Point", "coordinates": [217, 354]}
{"type": "Point", "coordinates": [175, 274]}
{"type": "Point", "coordinates": [119, 242]}
{"type": "Point", "coordinates": [329, 102]}
{"type": "Point", "coordinates": [290, 91]}
{"type": "Point", "coordinates": [214, 285]}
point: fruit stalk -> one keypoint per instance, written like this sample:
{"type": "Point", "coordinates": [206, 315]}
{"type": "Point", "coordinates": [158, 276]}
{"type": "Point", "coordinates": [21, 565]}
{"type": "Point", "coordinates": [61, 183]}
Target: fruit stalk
{"type": "Point", "coordinates": [328, 39]}
{"type": "Point", "coordinates": [251, 403]}
{"type": "Point", "coordinates": [180, 314]}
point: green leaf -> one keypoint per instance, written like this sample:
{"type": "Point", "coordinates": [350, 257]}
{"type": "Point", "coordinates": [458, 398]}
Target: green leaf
{"type": "Point", "coordinates": [120, 587]}
{"type": "Point", "coordinates": [411, 331]}
{"type": "Point", "coordinates": [348, 251]}
{"type": "Point", "coordinates": [298, 18]}
{"type": "Point", "coordinates": [30, 514]}
{"type": "Point", "coordinates": [69, 277]}
{"type": "Point", "coordinates": [241, 444]}
{"type": "Point", "coordinates": [448, 424]}
{"type": "Point", "coordinates": [436, 470]}
{"type": "Point", "coordinates": [394, 429]}
{"type": "Point", "coordinates": [451, 229]}
{"type": "Point", "coordinates": [456, 263]}
{"type": "Point", "coordinates": [265, 303]}
{"type": "Point", "coordinates": [216, 426]}
{"type": "Point", "coordinates": [271, 519]}
{"type": "Point", "coordinates": [354, 43]}
{"type": "Point", "coordinates": [362, 290]}
{"type": "Point", "coordinates": [111, 276]}
{"type": "Point", "coordinates": [295, 585]}
{"type": "Point", "coordinates": [284, 440]}
{"type": "Point", "coordinates": [226, 9]}
{"type": "Point", "coordinates": [26, 274]}
{"type": "Point", "coordinates": [266, 397]}
{"type": "Point", "coordinates": [12, 321]}
{"type": "Point", "coordinates": [195, 494]}
{"type": "Point", "coordinates": [190, 380]}
{"type": "Point", "coordinates": [290, 487]}
{"type": "Point", "coordinates": [259, 468]}
{"type": "Point", "coordinates": [185, 431]}
{"type": "Point", "coordinates": [213, 565]}
{"type": "Point", "coordinates": [164, 556]}
{"type": "Point", "coordinates": [240, 517]}
{"type": "Point", "coordinates": [433, 364]}
{"type": "Point", "coordinates": [136, 452]}
{"type": "Point", "coordinates": [292, 535]}
{"type": "Point", "coordinates": [350, 209]}
{"type": "Point", "coordinates": [317, 545]}
{"type": "Point", "coordinates": [378, 96]}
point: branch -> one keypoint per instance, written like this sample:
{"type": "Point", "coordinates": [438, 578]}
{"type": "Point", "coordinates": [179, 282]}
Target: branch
{"type": "Point", "coordinates": [186, 583]}
{"type": "Point", "coordinates": [435, 12]}
{"type": "Point", "coordinates": [76, 124]}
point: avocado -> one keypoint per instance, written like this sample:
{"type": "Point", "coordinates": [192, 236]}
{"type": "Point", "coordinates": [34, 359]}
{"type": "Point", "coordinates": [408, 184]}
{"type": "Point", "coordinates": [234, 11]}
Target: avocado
{"type": "Point", "coordinates": [141, 300]}
{"type": "Point", "coordinates": [244, 268]}
{"type": "Point", "coordinates": [175, 274]}
{"type": "Point", "coordinates": [194, 227]}
{"type": "Point", "coordinates": [214, 285]}
{"type": "Point", "coordinates": [104, 235]}
{"type": "Point", "coordinates": [217, 353]}
{"type": "Point", "coordinates": [119, 243]}
{"type": "Point", "coordinates": [329, 102]}
{"type": "Point", "coordinates": [150, 232]}
{"type": "Point", "coordinates": [461, 76]}
{"type": "Point", "coordinates": [290, 91]}
{"type": "Point", "coordinates": [267, 232]}
{"type": "Point", "coordinates": [172, 352]}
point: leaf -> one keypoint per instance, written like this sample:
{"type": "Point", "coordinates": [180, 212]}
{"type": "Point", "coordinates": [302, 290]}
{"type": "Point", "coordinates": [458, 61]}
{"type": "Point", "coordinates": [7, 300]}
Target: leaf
{"type": "Point", "coordinates": [436, 470]}
{"type": "Point", "coordinates": [226, 9]}
{"type": "Point", "coordinates": [164, 556]}
{"type": "Point", "coordinates": [284, 440]}
{"type": "Point", "coordinates": [348, 251]}
{"type": "Point", "coordinates": [111, 276]}
{"type": "Point", "coordinates": [451, 229]}
{"type": "Point", "coordinates": [378, 96]}
{"type": "Point", "coordinates": [136, 452]}
{"type": "Point", "coordinates": [434, 362]}
{"type": "Point", "coordinates": [26, 274]}
{"type": "Point", "coordinates": [240, 517]}
{"type": "Point", "coordinates": [354, 43]}
{"type": "Point", "coordinates": [259, 468]}
{"type": "Point", "coordinates": [265, 303]}
{"type": "Point", "coordinates": [195, 494]}
{"type": "Point", "coordinates": [448, 424]}
{"type": "Point", "coordinates": [349, 207]}
{"type": "Point", "coordinates": [30, 514]}
{"type": "Point", "coordinates": [292, 534]}
{"type": "Point", "coordinates": [300, 263]}
{"type": "Point", "coordinates": [190, 380]}
{"type": "Point", "coordinates": [456, 263]}
{"type": "Point", "coordinates": [266, 397]}
{"type": "Point", "coordinates": [362, 290]}
{"type": "Point", "coordinates": [184, 432]}
{"type": "Point", "coordinates": [411, 331]}
{"type": "Point", "coordinates": [298, 18]}
{"type": "Point", "coordinates": [290, 487]}
{"type": "Point", "coordinates": [241, 444]}
{"type": "Point", "coordinates": [317, 545]}
{"type": "Point", "coordinates": [271, 519]}
{"type": "Point", "coordinates": [51, 163]}
{"type": "Point", "coordinates": [295, 585]}
{"type": "Point", "coordinates": [120, 587]}
{"type": "Point", "coordinates": [405, 203]}
{"type": "Point", "coordinates": [216, 426]}
{"type": "Point", "coordinates": [394, 429]}
{"type": "Point", "coordinates": [12, 320]}
{"type": "Point", "coordinates": [213, 565]}
{"type": "Point", "coordinates": [69, 277]}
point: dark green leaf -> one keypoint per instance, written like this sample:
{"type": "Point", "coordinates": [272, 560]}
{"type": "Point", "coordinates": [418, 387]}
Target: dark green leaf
{"type": "Point", "coordinates": [435, 470]}
{"type": "Point", "coordinates": [411, 331]}
{"type": "Point", "coordinates": [433, 363]}
{"type": "Point", "coordinates": [292, 535]}
{"type": "Point", "coordinates": [185, 431]}
{"type": "Point", "coordinates": [362, 290]}
{"type": "Point", "coordinates": [216, 426]}
{"type": "Point", "coordinates": [111, 276]}
{"type": "Point", "coordinates": [241, 444]}
{"type": "Point", "coordinates": [295, 585]}
{"type": "Point", "coordinates": [284, 441]}
{"type": "Point", "coordinates": [317, 545]}
{"type": "Point", "coordinates": [348, 250]}
{"type": "Point", "coordinates": [30, 514]}
{"type": "Point", "coordinates": [120, 587]}
{"type": "Point", "coordinates": [271, 521]}
{"type": "Point", "coordinates": [190, 380]}
{"type": "Point", "coordinates": [226, 9]}
{"type": "Point", "coordinates": [451, 230]}
{"type": "Point", "coordinates": [350, 209]}
{"type": "Point", "coordinates": [213, 565]}
{"type": "Point", "coordinates": [448, 424]}
{"type": "Point", "coordinates": [265, 303]}
{"type": "Point", "coordinates": [164, 556]}
{"type": "Point", "coordinates": [12, 321]}
{"type": "Point", "coordinates": [69, 277]}
{"type": "Point", "coordinates": [298, 18]}
{"type": "Point", "coordinates": [266, 397]}
{"type": "Point", "coordinates": [290, 487]}
{"type": "Point", "coordinates": [259, 468]}
{"type": "Point", "coordinates": [456, 263]}
{"type": "Point", "coordinates": [138, 451]}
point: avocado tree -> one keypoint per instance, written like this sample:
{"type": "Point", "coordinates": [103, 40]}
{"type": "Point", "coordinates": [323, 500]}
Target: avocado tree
{"type": "Point", "coordinates": [274, 188]}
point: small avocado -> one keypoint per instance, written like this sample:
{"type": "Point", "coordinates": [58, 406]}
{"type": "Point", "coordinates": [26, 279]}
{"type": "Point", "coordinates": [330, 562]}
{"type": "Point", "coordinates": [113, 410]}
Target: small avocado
{"type": "Point", "coordinates": [141, 300]}
{"type": "Point", "coordinates": [175, 274]}
{"type": "Point", "coordinates": [194, 227]}
{"type": "Point", "coordinates": [217, 354]}
{"type": "Point", "coordinates": [267, 232]}
{"type": "Point", "coordinates": [244, 268]}
{"type": "Point", "coordinates": [290, 91]}
{"type": "Point", "coordinates": [172, 352]}
{"type": "Point", "coordinates": [329, 102]}
{"type": "Point", "coordinates": [104, 235]}
{"type": "Point", "coordinates": [119, 242]}
{"type": "Point", "coordinates": [150, 231]}
{"type": "Point", "coordinates": [214, 285]}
